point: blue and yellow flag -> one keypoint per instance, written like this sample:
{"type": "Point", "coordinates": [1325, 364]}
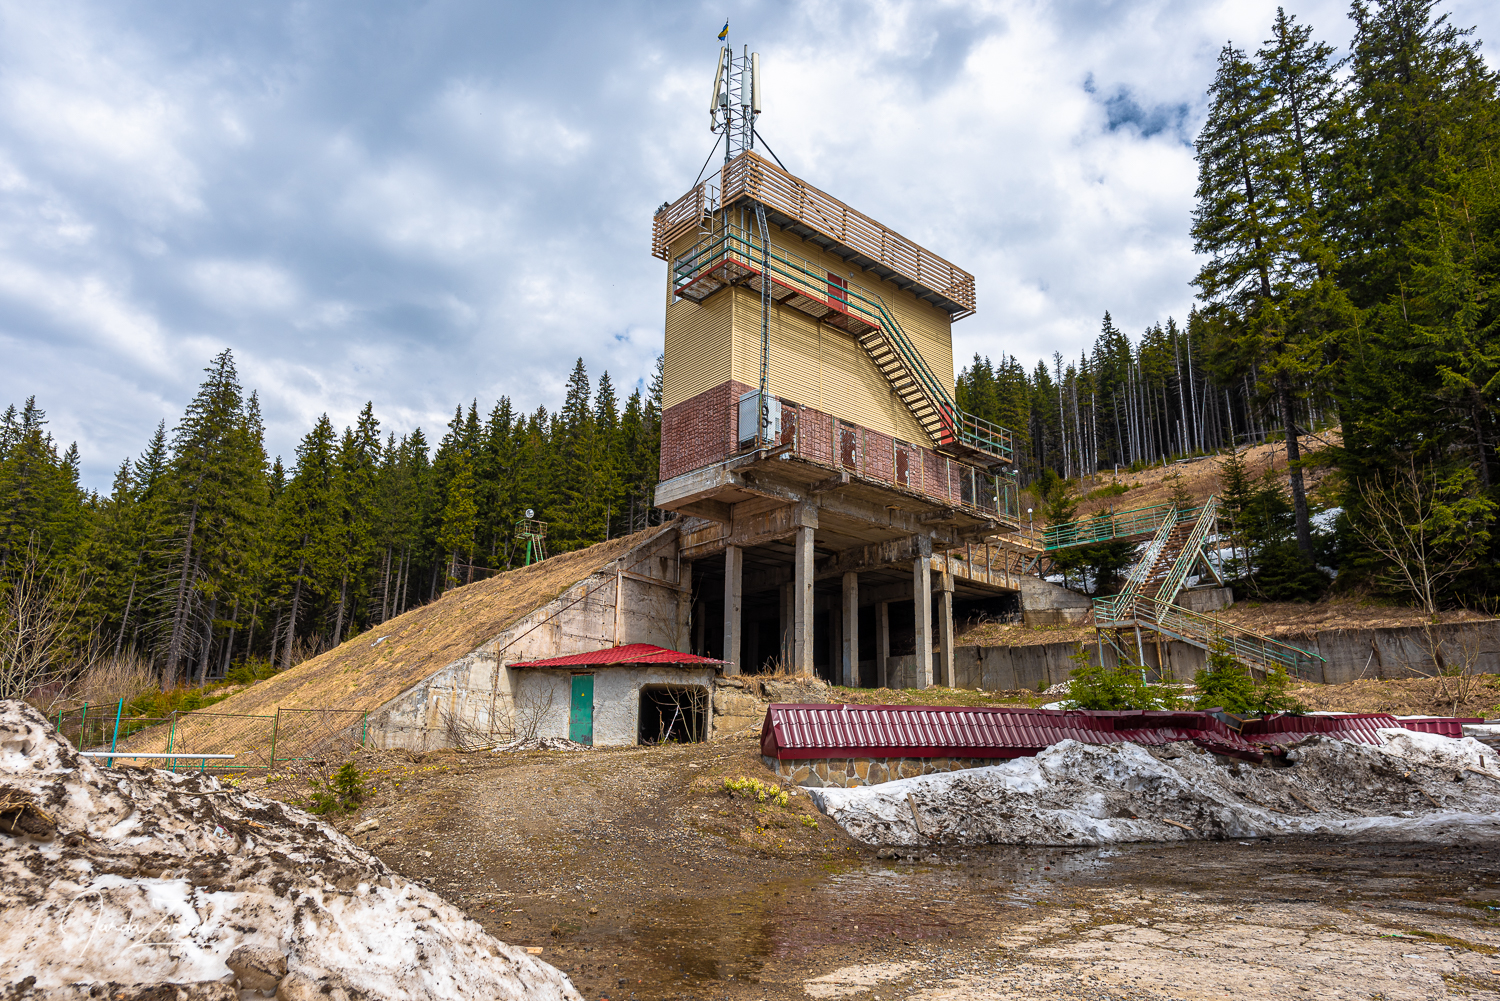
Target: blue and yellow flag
{"type": "Point", "coordinates": [725, 33]}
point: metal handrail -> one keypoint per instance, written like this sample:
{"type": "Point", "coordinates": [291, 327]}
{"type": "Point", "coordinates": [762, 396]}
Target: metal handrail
{"type": "Point", "coordinates": [1203, 631]}
{"type": "Point", "coordinates": [1172, 583]}
{"type": "Point", "coordinates": [1119, 524]}
{"type": "Point", "coordinates": [813, 282]}
{"type": "Point", "coordinates": [1142, 569]}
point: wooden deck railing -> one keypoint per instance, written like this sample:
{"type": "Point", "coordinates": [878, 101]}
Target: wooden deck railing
{"type": "Point", "coordinates": [747, 175]}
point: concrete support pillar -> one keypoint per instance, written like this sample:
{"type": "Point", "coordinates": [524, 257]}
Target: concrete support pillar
{"type": "Point", "coordinates": [684, 606]}
{"type": "Point", "coordinates": [947, 675]}
{"type": "Point", "coordinates": [883, 643]}
{"type": "Point", "coordinates": [922, 606]}
{"type": "Point", "coordinates": [802, 603]}
{"type": "Point", "coordinates": [835, 639]}
{"type": "Point", "coordinates": [734, 564]}
{"type": "Point", "coordinates": [851, 629]}
{"type": "Point", "coordinates": [784, 652]}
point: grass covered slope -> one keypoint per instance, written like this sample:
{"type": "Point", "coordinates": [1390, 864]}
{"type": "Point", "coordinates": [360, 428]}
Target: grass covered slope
{"type": "Point", "coordinates": [370, 669]}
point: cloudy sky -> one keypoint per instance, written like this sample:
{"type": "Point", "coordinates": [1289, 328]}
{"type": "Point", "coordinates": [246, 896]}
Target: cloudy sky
{"type": "Point", "coordinates": [424, 203]}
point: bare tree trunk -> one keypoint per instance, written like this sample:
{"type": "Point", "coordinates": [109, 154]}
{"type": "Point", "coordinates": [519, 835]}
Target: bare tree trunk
{"type": "Point", "coordinates": [129, 600]}
{"type": "Point", "coordinates": [179, 612]}
{"type": "Point", "coordinates": [208, 642]}
{"type": "Point", "coordinates": [250, 640]}
{"type": "Point", "coordinates": [338, 626]}
{"type": "Point", "coordinates": [1299, 492]}
{"type": "Point", "coordinates": [291, 625]}
{"type": "Point", "coordinates": [229, 642]}
{"type": "Point", "coordinates": [385, 587]}
{"type": "Point", "coordinates": [276, 636]}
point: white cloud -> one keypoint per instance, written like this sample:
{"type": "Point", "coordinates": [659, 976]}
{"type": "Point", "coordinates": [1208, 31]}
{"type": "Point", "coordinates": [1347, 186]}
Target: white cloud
{"type": "Point", "coordinates": [245, 286]}
{"type": "Point", "coordinates": [426, 204]}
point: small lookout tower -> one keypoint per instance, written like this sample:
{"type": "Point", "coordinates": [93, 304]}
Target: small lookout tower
{"type": "Point", "coordinates": [809, 427]}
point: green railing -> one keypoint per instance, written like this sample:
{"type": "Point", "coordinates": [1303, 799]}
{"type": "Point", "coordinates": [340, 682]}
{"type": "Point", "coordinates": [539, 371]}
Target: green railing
{"type": "Point", "coordinates": [1115, 525]}
{"type": "Point", "coordinates": [1141, 572]}
{"type": "Point", "coordinates": [803, 277]}
{"type": "Point", "coordinates": [1191, 548]}
{"type": "Point", "coordinates": [258, 740]}
{"type": "Point", "coordinates": [1203, 631]}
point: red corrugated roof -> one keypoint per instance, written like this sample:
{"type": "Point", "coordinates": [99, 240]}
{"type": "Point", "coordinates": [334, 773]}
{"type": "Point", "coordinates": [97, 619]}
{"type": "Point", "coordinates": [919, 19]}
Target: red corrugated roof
{"type": "Point", "coordinates": [629, 653]}
{"type": "Point", "coordinates": [794, 731]}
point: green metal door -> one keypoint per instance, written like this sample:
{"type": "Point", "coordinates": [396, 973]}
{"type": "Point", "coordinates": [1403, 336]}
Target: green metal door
{"type": "Point", "coordinates": [581, 710]}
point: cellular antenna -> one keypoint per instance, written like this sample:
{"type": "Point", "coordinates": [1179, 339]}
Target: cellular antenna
{"type": "Point", "coordinates": [736, 100]}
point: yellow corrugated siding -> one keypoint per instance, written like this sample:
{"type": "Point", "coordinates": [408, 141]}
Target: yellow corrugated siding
{"type": "Point", "coordinates": [697, 348]}
{"type": "Point", "coordinates": [928, 327]}
{"type": "Point", "coordinates": [811, 363]}
{"type": "Point", "coordinates": [818, 366]}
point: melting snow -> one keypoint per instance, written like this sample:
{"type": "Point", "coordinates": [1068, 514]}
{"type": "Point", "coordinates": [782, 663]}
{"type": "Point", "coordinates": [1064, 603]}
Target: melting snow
{"type": "Point", "coordinates": [1417, 786]}
{"type": "Point", "coordinates": [133, 876]}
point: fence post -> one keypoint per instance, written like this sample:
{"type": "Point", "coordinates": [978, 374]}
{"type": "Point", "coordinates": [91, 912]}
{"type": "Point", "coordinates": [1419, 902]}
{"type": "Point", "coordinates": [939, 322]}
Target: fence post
{"type": "Point", "coordinates": [274, 727]}
{"type": "Point", "coordinates": [83, 726]}
{"type": "Point", "coordinates": [171, 735]}
{"type": "Point", "coordinates": [115, 737]}
{"type": "Point", "coordinates": [364, 728]}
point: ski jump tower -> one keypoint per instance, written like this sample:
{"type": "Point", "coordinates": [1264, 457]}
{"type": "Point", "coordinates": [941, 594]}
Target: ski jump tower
{"type": "Point", "coordinates": [829, 483]}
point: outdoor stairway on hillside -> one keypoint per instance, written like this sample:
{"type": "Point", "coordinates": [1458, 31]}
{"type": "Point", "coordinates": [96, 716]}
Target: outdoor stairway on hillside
{"type": "Point", "coordinates": [1180, 542]}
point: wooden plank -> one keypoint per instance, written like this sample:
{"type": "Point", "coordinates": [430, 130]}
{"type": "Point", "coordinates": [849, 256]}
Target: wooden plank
{"type": "Point", "coordinates": [750, 175]}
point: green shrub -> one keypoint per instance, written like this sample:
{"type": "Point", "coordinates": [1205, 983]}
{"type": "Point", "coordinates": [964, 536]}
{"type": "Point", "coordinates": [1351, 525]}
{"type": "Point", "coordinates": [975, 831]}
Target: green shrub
{"type": "Point", "coordinates": [340, 794]}
{"type": "Point", "coordinates": [1225, 683]}
{"type": "Point", "coordinates": [1114, 488]}
{"type": "Point", "coordinates": [250, 672]}
{"type": "Point", "coordinates": [1094, 686]}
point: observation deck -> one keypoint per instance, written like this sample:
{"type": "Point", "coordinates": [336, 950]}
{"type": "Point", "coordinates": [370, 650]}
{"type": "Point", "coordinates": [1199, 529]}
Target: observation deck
{"type": "Point", "coordinates": [797, 207]}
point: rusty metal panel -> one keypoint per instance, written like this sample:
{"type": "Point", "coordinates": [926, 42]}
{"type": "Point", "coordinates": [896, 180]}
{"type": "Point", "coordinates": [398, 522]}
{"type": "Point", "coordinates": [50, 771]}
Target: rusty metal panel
{"type": "Point", "coordinates": [840, 731]}
{"type": "Point", "coordinates": [849, 447]}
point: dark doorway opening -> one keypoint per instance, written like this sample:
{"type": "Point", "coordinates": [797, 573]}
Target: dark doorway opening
{"type": "Point", "coordinates": [673, 714]}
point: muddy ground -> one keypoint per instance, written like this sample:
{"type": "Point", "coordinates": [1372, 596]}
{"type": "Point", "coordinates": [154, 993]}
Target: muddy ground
{"type": "Point", "coordinates": [635, 872]}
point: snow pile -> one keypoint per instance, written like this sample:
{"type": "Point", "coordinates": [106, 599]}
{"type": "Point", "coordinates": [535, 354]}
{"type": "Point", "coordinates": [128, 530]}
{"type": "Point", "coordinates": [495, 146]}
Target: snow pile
{"type": "Point", "coordinates": [118, 877]}
{"type": "Point", "coordinates": [1418, 786]}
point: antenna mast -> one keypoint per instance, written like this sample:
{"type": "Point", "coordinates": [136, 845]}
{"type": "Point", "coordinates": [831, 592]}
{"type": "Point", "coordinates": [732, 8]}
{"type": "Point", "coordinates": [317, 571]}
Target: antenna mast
{"type": "Point", "coordinates": [736, 100]}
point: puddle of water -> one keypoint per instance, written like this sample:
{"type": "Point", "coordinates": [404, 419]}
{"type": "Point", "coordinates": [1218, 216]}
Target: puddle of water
{"type": "Point", "coordinates": [868, 911]}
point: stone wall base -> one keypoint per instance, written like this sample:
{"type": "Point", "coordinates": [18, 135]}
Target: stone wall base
{"type": "Point", "coordinates": [848, 772]}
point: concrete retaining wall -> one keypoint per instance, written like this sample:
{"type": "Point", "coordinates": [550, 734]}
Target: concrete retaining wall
{"type": "Point", "coordinates": [1350, 654]}
{"type": "Point", "coordinates": [481, 692]}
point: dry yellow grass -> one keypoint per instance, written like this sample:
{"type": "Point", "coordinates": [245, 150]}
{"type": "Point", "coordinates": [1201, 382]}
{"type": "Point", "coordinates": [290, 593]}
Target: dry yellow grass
{"type": "Point", "coordinates": [370, 669]}
{"type": "Point", "coordinates": [1281, 619]}
{"type": "Point", "coordinates": [1201, 477]}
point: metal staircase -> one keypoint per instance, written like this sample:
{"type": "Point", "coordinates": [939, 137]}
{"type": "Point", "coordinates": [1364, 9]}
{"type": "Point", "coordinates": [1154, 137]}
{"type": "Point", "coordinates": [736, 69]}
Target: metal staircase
{"type": "Point", "coordinates": [733, 256]}
{"type": "Point", "coordinates": [1147, 601]}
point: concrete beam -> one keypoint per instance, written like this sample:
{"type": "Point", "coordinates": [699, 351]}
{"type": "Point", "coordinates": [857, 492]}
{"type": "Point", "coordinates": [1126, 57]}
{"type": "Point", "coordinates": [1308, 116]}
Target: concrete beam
{"type": "Point", "coordinates": [758, 529]}
{"type": "Point", "coordinates": [734, 565]}
{"type": "Point", "coordinates": [713, 510]}
{"type": "Point", "coordinates": [802, 604]}
{"type": "Point", "coordinates": [851, 629]}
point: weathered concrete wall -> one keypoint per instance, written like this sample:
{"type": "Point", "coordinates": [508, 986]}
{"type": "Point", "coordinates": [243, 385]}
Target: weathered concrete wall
{"type": "Point", "coordinates": [1047, 604]}
{"type": "Point", "coordinates": [1206, 599]}
{"type": "Point", "coordinates": [617, 697]}
{"type": "Point", "coordinates": [1350, 654]}
{"type": "Point", "coordinates": [479, 693]}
